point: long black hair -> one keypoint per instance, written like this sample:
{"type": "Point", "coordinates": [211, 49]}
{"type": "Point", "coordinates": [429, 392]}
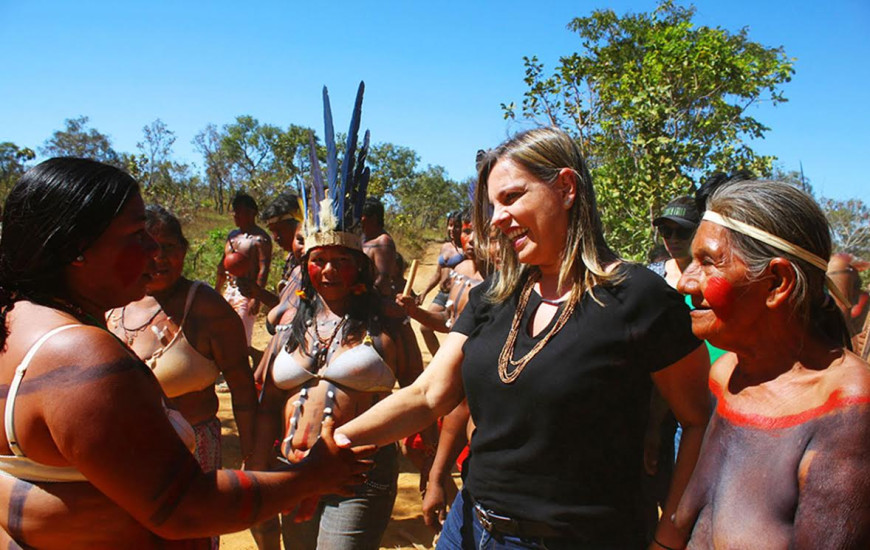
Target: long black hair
{"type": "Point", "coordinates": [55, 212]}
{"type": "Point", "coordinates": [363, 311]}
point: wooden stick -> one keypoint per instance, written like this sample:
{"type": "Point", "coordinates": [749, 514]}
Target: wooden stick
{"type": "Point", "coordinates": [411, 276]}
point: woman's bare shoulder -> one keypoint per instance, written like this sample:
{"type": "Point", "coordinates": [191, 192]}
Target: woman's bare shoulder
{"type": "Point", "coordinates": [849, 377]}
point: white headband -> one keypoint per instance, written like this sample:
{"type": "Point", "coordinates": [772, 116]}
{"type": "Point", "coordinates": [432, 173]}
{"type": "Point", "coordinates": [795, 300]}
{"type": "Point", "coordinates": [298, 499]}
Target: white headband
{"type": "Point", "coordinates": [779, 244]}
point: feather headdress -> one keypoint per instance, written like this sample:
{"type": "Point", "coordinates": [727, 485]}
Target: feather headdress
{"type": "Point", "coordinates": [333, 211]}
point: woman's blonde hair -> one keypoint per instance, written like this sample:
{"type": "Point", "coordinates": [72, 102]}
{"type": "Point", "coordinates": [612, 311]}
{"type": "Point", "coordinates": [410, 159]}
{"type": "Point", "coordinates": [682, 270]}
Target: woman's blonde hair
{"type": "Point", "coordinates": [586, 257]}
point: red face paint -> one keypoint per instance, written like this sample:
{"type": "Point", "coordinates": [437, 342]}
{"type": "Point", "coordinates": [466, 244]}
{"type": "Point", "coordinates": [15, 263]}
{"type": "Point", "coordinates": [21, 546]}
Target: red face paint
{"type": "Point", "coordinates": [719, 294]}
{"type": "Point", "coordinates": [466, 235]}
{"type": "Point", "coordinates": [131, 262]}
{"type": "Point", "coordinates": [314, 272]}
{"type": "Point", "coordinates": [348, 272]}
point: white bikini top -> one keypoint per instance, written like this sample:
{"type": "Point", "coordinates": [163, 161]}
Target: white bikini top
{"type": "Point", "coordinates": [20, 466]}
{"type": "Point", "coordinates": [359, 368]}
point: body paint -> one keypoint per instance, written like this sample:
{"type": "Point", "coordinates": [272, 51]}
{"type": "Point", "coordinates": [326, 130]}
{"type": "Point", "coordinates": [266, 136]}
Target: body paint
{"type": "Point", "coordinates": [314, 272]}
{"type": "Point", "coordinates": [348, 273]}
{"type": "Point", "coordinates": [131, 262]}
{"type": "Point", "coordinates": [250, 499]}
{"type": "Point", "coordinates": [178, 482]}
{"type": "Point", "coordinates": [67, 376]}
{"type": "Point", "coordinates": [719, 294]}
{"type": "Point", "coordinates": [835, 401]}
{"type": "Point", "coordinates": [16, 510]}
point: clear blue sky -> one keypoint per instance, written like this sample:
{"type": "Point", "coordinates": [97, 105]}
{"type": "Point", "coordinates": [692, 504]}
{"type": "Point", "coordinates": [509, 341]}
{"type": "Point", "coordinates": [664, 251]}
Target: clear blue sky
{"type": "Point", "coordinates": [435, 72]}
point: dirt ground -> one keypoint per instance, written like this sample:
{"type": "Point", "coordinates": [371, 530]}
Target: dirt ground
{"type": "Point", "coordinates": [406, 529]}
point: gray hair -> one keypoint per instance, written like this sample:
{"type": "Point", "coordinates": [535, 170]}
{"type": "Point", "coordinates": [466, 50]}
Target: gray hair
{"type": "Point", "coordinates": [788, 213]}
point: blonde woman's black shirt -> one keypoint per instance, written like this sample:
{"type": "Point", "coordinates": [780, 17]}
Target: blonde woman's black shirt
{"type": "Point", "coordinates": [563, 443]}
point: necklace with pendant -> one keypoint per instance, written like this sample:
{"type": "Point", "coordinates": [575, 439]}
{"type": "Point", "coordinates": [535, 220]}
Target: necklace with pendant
{"type": "Point", "coordinates": [130, 334]}
{"type": "Point", "coordinates": [321, 345]}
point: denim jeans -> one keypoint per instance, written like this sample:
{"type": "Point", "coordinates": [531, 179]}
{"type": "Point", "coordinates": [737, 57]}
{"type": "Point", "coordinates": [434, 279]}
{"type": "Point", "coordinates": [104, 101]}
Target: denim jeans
{"type": "Point", "coordinates": [351, 523]}
{"type": "Point", "coordinates": [463, 531]}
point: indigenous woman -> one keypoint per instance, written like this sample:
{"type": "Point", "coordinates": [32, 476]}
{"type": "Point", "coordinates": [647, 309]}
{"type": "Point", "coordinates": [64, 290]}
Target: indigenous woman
{"type": "Point", "coordinates": [464, 276]}
{"type": "Point", "coordinates": [189, 335]}
{"type": "Point", "coordinates": [555, 357]}
{"type": "Point", "coordinates": [89, 455]}
{"type": "Point", "coordinates": [449, 257]}
{"type": "Point", "coordinates": [784, 460]}
{"type": "Point", "coordinates": [283, 219]}
{"type": "Point", "coordinates": [341, 356]}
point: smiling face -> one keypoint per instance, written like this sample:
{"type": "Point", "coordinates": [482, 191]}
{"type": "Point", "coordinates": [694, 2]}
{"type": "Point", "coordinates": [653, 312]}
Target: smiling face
{"type": "Point", "coordinates": [166, 266]}
{"type": "Point", "coordinates": [333, 271]}
{"type": "Point", "coordinates": [727, 303]}
{"type": "Point", "coordinates": [531, 213]}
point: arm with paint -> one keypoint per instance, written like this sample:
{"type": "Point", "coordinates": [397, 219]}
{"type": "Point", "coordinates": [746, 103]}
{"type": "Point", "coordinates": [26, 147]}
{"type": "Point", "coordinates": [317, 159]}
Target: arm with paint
{"type": "Point", "coordinates": [833, 507]}
{"type": "Point", "coordinates": [168, 494]}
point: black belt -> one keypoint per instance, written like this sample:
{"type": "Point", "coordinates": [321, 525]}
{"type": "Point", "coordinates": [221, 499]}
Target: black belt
{"type": "Point", "coordinates": [494, 523]}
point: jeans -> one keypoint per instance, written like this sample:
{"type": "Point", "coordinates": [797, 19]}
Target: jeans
{"type": "Point", "coordinates": [351, 523]}
{"type": "Point", "coordinates": [463, 531]}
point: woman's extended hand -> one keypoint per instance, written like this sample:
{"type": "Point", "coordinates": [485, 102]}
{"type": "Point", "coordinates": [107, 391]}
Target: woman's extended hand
{"type": "Point", "coordinates": [337, 468]}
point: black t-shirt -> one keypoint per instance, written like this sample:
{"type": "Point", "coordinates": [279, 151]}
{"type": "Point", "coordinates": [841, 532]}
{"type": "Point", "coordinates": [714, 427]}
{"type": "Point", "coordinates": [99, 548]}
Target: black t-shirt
{"type": "Point", "coordinates": [563, 443]}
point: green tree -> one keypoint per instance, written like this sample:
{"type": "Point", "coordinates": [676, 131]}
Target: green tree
{"type": "Point", "coordinates": [218, 167]}
{"type": "Point", "coordinates": [77, 140]}
{"type": "Point", "coordinates": [422, 202]}
{"type": "Point", "coordinates": [13, 164]}
{"type": "Point", "coordinates": [260, 158]}
{"type": "Point", "coordinates": [393, 167]}
{"type": "Point", "coordinates": [850, 225]}
{"type": "Point", "coordinates": [655, 102]}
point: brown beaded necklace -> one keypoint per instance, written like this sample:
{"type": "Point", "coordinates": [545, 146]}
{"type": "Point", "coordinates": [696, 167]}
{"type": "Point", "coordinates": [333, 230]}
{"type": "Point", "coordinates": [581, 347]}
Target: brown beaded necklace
{"type": "Point", "coordinates": [507, 352]}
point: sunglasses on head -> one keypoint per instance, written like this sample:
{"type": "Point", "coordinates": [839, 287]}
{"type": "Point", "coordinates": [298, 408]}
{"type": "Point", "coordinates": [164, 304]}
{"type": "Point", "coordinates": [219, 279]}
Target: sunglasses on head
{"type": "Point", "coordinates": [668, 232]}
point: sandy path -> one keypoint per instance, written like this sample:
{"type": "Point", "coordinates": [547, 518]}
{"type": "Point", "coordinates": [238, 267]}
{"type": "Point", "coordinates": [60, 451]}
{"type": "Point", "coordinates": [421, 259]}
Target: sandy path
{"type": "Point", "coordinates": [406, 529]}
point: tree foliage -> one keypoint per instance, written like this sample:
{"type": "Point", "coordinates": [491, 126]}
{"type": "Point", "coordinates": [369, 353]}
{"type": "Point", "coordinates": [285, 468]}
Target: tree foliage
{"type": "Point", "coordinates": [13, 164]}
{"type": "Point", "coordinates": [77, 140]}
{"type": "Point", "coordinates": [260, 158]}
{"type": "Point", "coordinates": [655, 102]}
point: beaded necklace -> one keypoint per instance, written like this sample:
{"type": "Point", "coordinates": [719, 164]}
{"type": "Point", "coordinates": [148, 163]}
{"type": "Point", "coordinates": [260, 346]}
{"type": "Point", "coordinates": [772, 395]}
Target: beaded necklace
{"type": "Point", "coordinates": [505, 358]}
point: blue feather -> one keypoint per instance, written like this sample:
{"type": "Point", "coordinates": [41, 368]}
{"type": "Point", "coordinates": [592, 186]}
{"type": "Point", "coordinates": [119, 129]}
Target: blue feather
{"type": "Point", "coordinates": [350, 149]}
{"type": "Point", "coordinates": [304, 199]}
{"type": "Point", "coordinates": [362, 185]}
{"type": "Point", "coordinates": [359, 193]}
{"type": "Point", "coordinates": [331, 153]}
{"type": "Point", "coordinates": [317, 177]}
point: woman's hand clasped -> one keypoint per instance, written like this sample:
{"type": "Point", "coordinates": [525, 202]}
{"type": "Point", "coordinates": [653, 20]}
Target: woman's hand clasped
{"type": "Point", "coordinates": [337, 466]}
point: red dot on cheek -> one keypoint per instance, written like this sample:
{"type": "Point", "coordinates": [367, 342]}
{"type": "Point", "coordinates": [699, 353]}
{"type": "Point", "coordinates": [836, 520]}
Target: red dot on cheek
{"type": "Point", "coordinates": [131, 263]}
{"type": "Point", "coordinates": [313, 271]}
{"type": "Point", "coordinates": [348, 274]}
{"type": "Point", "coordinates": [719, 294]}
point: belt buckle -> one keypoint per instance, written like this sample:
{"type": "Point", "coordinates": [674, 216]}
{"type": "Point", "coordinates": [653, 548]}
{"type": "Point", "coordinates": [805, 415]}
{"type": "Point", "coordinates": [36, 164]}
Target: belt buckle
{"type": "Point", "coordinates": [483, 517]}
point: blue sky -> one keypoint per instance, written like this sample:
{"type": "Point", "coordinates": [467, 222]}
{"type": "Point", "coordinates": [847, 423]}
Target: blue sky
{"type": "Point", "coordinates": [435, 72]}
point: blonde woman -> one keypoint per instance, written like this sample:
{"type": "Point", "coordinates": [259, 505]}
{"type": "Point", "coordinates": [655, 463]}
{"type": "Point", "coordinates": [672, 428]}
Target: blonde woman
{"type": "Point", "coordinates": [555, 357]}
